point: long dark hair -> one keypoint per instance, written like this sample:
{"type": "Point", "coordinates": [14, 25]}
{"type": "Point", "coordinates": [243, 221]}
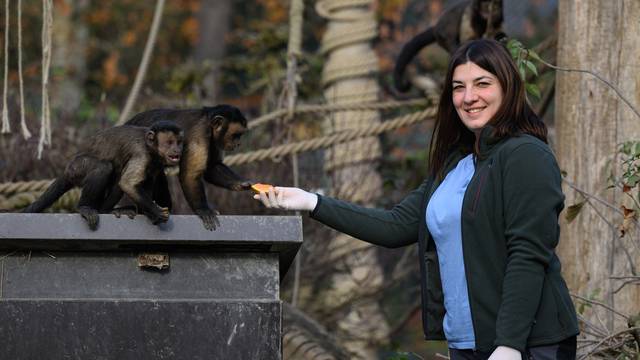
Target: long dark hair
{"type": "Point", "coordinates": [514, 116]}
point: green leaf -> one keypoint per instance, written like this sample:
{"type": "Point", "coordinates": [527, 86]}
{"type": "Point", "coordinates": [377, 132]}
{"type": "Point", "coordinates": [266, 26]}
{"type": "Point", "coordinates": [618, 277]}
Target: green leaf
{"type": "Point", "coordinates": [522, 72]}
{"type": "Point", "coordinates": [636, 151]}
{"type": "Point", "coordinates": [573, 211]}
{"type": "Point", "coordinates": [534, 55]}
{"type": "Point", "coordinates": [533, 90]}
{"type": "Point", "coordinates": [531, 67]}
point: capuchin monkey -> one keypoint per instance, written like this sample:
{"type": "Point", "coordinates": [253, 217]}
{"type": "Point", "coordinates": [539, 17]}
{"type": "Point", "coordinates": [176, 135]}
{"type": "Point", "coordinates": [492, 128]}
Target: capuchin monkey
{"type": "Point", "coordinates": [122, 159]}
{"type": "Point", "coordinates": [462, 22]}
{"type": "Point", "coordinates": [209, 132]}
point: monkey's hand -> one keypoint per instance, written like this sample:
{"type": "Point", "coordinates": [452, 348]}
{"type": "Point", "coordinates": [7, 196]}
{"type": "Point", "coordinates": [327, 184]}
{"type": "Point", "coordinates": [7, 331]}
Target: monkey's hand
{"type": "Point", "coordinates": [288, 198]}
{"type": "Point", "coordinates": [209, 218]}
{"type": "Point", "coordinates": [159, 215]}
{"type": "Point", "coordinates": [241, 186]}
{"type": "Point", "coordinates": [129, 211]}
{"type": "Point", "coordinates": [90, 216]}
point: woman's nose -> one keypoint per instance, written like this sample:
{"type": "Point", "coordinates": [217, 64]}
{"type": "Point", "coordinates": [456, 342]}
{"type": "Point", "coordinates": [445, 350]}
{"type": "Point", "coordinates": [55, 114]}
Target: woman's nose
{"type": "Point", "coordinates": [470, 96]}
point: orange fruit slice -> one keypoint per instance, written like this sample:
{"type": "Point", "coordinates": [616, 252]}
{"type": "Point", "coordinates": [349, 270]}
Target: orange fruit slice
{"type": "Point", "coordinates": [261, 187]}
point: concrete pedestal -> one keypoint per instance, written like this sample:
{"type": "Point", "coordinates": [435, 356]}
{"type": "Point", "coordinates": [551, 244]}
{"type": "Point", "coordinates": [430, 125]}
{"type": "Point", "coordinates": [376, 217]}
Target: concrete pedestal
{"type": "Point", "coordinates": [70, 293]}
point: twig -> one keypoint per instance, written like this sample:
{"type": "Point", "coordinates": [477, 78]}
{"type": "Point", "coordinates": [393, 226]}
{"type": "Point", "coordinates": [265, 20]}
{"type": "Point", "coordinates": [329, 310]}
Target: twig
{"type": "Point", "coordinates": [617, 91]}
{"type": "Point", "coordinates": [594, 197]}
{"type": "Point", "coordinates": [600, 304]}
{"type": "Point", "coordinates": [629, 330]}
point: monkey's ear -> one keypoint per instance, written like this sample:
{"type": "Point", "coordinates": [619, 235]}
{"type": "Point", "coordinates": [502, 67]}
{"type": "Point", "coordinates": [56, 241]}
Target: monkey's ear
{"type": "Point", "coordinates": [218, 120]}
{"type": "Point", "coordinates": [150, 137]}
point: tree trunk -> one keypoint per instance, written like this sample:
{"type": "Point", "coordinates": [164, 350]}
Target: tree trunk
{"type": "Point", "coordinates": [591, 121]}
{"type": "Point", "coordinates": [70, 39]}
{"type": "Point", "coordinates": [348, 78]}
{"type": "Point", "coordinates": [214, 22]}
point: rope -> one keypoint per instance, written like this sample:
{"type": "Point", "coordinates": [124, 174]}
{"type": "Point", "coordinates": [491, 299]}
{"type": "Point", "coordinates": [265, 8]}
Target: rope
{"type": "Point", "coordinates": [24, 186]}
{"type": "Point", "coordinates": [47, 26]}
{"type": "Point", "coordinates": [327, 9]}
{"type": "Point", "coordinates": [6, 126]}
{"type": "Point", "coordinates": [67, 202]}
{"type": "Point", "coordinates": [144, 63]}
{"type": "Point", "coordinates": [294, 50]}
{"type": "Point", "coordinates": [326, 108]}
{"type": "Point", "coordinates": [329, 140]}
{"type": "Point", "coordinates": [23, 123]}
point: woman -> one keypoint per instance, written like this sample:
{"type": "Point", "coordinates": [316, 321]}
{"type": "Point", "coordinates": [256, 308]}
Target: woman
{"type": "Point", "coordinates": [486, 219]}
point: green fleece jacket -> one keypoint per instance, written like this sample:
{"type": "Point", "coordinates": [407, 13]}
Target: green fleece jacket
{"type": "Point", "coordinates": [509, 233]}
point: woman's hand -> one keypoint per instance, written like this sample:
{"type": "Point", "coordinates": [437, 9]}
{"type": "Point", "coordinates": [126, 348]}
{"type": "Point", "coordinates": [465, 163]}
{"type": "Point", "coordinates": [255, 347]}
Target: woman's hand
{"type": "Point", "coordinates": [289, 198]}
{"type": "Point", "coordinates": [505, 353]}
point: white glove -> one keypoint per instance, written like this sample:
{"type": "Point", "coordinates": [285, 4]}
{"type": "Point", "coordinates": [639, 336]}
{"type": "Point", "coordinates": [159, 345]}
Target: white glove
{"type": "Point", "coordinates": [505, 353]}
{"type": "Point", "coordinates": [288, 198]}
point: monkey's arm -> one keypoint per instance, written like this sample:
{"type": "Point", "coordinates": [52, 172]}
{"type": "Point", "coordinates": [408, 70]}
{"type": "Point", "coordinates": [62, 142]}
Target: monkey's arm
{"type": "Point", "coordinates": [161, 194]}
{"type": "Point", "coordinates": [132, 183]}
{"type": "Point", "coordinates": [193, 190]}
{"type": "Point", "coordinates": [221, 175]}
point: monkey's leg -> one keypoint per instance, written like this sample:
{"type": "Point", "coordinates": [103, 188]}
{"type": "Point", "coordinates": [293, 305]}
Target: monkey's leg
{"type": "Point", "coordinates": [114, 194]}
{"type": "Point", "coordinates": [94, 188]}
{"type": "Point", "coordinates": [193, 190]}
{"type": "Point", "coordinates": [221, 175]}
{"type": "Point", "coordinates": [113, 198]}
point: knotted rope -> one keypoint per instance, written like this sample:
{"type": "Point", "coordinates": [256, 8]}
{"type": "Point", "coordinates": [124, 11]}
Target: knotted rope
{"type": "Point", "coordinates": [144, 63]}
{"type": "Point", "coordinates": [23, 123]}
{"type": "Point", "coordinates": [45, 124]}
{"type": "Point", "coordinates": [6, 126]}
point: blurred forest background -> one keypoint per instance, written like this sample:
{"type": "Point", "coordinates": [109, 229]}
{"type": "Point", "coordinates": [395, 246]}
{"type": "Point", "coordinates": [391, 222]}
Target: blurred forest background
{"type": "Point", "coordinates": [349, 300]}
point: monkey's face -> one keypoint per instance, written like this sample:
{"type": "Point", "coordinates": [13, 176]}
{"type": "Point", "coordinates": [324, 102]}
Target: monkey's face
{"type": "Point", "coordinates": [233, 135]}
{"type": "Point", "coordinates": [477, 95]}
{"type": "Point", "coordinates": [169, 147]}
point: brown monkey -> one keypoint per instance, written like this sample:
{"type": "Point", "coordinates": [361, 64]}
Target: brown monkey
{"type": "Point", "coordinates": [209, 132]}
{"type": "Point", "coordinates": [461, 22]}
{"type": "Point", "coordinates": [116, 160]}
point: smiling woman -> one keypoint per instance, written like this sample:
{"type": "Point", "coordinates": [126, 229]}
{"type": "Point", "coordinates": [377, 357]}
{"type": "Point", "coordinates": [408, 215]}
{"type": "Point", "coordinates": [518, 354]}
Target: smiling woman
{"type": "Point", "coordinates": [477, 96]}
{"type": "Point", "coordinates": [485, 220]}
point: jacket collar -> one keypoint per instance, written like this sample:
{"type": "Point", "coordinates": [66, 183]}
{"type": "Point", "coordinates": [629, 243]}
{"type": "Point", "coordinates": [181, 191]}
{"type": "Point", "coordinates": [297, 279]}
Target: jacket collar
{"type": "Point", "coordinates": [487, 142]}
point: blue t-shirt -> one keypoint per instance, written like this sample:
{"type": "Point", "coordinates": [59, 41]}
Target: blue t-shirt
{"type": "Point", "coordinates": [444, 223]}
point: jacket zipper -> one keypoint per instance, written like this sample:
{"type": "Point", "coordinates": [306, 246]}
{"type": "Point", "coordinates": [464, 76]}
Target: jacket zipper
{"type": "Point", "coordinates": [483, 177]}
{"type": "Point", "coordinates": [466, 269]}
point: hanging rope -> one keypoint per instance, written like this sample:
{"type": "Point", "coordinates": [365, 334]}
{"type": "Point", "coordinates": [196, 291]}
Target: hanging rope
{"type": "Point", "coordinates": [47, 27]}
{"type": "Point", "coordinates": [23, 124]}
{"type": "Point", "coordinates": [144, 63]}
{"type": "Point", "coordinates": [294, 50]}
{"type": "Point", "coordinates": [6, 126]}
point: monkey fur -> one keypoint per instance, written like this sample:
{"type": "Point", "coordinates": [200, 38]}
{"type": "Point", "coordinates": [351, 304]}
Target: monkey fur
{"type": "Point", "coordinates": [209, 132]}
{"type": "Point", "coordinates": [461, 22]}
{"type": "Point", "coordinates": [122, 159]}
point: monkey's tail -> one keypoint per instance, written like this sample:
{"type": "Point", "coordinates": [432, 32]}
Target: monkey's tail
{"type": "Point", "coordinates": [408, 52]}
{"type": "Point", "coordinates": [53, 193]}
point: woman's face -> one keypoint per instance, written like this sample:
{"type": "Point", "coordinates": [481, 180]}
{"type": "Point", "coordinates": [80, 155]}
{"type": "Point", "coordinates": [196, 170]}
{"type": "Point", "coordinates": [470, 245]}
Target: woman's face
{"type": "Point", "coordinates": [477, 95]}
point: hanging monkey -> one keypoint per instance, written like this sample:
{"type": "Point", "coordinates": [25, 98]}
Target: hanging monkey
{"type": "Point", "coordinates": [463, 21]}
